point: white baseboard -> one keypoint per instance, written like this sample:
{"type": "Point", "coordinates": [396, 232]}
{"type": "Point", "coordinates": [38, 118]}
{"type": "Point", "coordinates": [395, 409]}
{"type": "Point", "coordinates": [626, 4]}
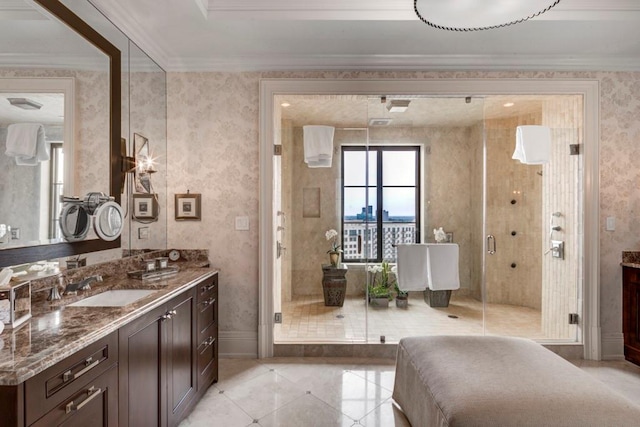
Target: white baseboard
{"type": "Point", "coordinates": [238, 344]}
{"type": "Point", "coordinates": [612, 346]}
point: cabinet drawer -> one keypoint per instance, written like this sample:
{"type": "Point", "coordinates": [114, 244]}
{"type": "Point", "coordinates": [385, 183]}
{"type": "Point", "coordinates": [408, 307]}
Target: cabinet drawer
{"type": "Point", "coordinates": [208, 357]}
{"type": "Point", "coordinates": [94, 404]}
{"type": "Point", "coordinates": [206, 316]}
{"type": "Point", "coordinates": [208, 288]}
{"type": "Point", "coordinates": [61, 381]}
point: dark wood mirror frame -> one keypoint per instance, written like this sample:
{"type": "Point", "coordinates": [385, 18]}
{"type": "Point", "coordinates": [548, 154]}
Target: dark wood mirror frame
{"type": "Point", "coordinates": [14, 256]}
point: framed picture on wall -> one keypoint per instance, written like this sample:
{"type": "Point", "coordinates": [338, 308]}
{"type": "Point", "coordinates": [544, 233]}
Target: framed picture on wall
{"type": "Point", "coordinates": [145, 206]}
{"type": "Point", "coordinates": [188, 206]}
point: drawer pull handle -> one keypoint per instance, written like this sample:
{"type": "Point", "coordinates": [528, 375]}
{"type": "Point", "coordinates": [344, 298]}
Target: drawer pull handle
{"type": "Point", "coordinates": [207, 344]}
{"type": "Point", "coordinates": [89, 365]}
{"type": "Point", "coordinates": [207, 288]}
{"type": "Point", "coordinates": [92, 393]}
{"type": "Point", "coordinates": [208, 302]}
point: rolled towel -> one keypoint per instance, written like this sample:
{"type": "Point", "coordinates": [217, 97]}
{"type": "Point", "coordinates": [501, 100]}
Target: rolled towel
{"type": "Point", "coordinates": [533, 145]}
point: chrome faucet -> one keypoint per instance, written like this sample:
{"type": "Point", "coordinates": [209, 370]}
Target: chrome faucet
{"type": "Point", "coordinates": [83, 285]}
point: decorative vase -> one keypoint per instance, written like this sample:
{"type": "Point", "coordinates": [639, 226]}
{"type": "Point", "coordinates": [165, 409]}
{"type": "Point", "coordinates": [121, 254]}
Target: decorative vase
{"type": "Point", "coordinates": [334, 258]}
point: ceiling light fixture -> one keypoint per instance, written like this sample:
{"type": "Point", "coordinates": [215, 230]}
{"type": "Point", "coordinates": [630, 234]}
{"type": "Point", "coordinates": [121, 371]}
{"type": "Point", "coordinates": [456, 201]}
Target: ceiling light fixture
{"type": "Point", "coordinates": [508, 104]}
{"type": "Point", "coordinates": [398, 105]}
{"type": "Point", "coordinates": [25, 103]}
{"type": "Point", "coordinates": [465, 15]}
{"type": "Point", "coordinates": [285, 104]}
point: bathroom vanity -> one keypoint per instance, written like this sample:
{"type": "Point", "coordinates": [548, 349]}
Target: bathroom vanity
{"type": "Point", "coordinates": [631, 311]}
{"type": "Point", "coordinates": [141, 364]}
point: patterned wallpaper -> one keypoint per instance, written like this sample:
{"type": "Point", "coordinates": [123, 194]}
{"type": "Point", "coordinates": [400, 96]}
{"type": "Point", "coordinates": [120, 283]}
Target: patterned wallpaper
{"type": "Point", "coordinates": [213, 150]}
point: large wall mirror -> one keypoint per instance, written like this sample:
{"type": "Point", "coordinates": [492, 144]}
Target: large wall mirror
{"type": "Point", "coordinates": [44, 41]}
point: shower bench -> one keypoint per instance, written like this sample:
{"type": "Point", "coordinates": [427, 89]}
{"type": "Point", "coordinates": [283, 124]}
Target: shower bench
{"type": "Point", "coordinates": [496, 381]}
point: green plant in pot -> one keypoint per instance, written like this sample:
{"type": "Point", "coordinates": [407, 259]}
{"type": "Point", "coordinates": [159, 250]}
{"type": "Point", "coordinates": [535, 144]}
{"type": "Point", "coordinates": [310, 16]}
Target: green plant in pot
{"type": "Point", "coordinates": [380, 287]}
{"type": "Point", "coordinates": [402, 297]}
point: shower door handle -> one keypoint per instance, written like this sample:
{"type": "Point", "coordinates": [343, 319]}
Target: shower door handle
{"type": "Point", "coordinates": [491, 244]}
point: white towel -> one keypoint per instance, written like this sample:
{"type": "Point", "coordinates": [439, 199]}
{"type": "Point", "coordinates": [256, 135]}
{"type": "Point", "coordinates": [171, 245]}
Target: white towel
{"type": "Point", "coordinates": [27, 143]}
{"type": "Point", "coordinates": [533, 145]}
{"type": "Point", "coordinates": [412, 267]}
{"type": "Point", "coordinates": [442, 266]}
{"type": "Point", "coordinates": [318, 145]}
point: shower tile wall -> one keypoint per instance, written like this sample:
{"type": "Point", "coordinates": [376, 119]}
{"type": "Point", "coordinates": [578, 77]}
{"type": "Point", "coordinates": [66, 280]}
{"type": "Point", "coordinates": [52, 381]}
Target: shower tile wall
{"type": "Point", "coordinates": [448, 202]}
{"type": "Point", "coordinates": [513, 274]}
{"type": "Point", "coordinates": [561, 194]}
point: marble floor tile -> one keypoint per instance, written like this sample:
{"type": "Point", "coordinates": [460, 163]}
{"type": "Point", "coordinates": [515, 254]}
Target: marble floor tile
{"type": "Point", "coordinates": [308, 411]}
{"type": "Point", "coordinates": [218, 407]}
{"type": "Point", "coordinates": [335, 392]}
{"type": "Point", "coordinates": [263, 394]}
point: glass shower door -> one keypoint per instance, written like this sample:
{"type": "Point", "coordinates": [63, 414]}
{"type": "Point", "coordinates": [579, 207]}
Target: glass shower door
{"type": "Point", "coordinates": [533, 227]}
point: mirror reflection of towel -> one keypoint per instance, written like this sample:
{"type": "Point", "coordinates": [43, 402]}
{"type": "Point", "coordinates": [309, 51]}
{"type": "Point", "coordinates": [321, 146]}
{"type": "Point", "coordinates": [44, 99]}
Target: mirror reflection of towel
{"type": "Point", "coordinates": [27, 143]}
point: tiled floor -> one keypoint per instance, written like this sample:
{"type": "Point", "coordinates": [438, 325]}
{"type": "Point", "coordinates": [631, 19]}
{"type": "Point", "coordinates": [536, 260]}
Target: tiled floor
{"type": "Point", "coordinates": [307, 320]}
{"type": "Point", "coordinates": [333, 392]}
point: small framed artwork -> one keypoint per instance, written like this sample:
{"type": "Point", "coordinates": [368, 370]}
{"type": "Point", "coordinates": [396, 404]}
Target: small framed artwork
{"type": "Point", "coordinates": [145, 206]}
{"type": "Point", "coordinates": [449, 237]}
{"type": "Point", "coordinates": [188, 206]}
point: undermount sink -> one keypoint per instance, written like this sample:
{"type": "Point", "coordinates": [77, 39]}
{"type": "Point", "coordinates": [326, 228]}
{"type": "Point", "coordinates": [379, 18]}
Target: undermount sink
{"type": "Point", "coordinates": [117, 298]}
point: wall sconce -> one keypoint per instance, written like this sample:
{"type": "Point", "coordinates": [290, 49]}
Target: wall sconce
{"type": "Point", "coordinates": [140, 164]}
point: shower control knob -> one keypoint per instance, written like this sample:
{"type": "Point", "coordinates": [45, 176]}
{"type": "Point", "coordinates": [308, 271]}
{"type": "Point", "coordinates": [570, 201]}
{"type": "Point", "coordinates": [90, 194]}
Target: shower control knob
{"type": "Point", "coordinates": [513, 265]}
{"type": "Point", "coordinates": [513, 233]}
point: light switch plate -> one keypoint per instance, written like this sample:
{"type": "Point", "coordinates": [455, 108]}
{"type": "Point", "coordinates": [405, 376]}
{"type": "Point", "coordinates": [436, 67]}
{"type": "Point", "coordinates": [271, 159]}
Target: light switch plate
{"type": "Point", "coordinates": [611, 223]}
{"type": "Point", "coordinates": [242, 223]}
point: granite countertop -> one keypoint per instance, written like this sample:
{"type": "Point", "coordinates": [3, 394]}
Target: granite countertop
{"type": "Point", "coordinates": [56, 330]}
{"type": "Point", "coordinates": [630, 259]}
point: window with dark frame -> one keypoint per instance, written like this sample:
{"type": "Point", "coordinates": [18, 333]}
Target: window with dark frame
{"type": "Point", "coordinates": [380, 201]}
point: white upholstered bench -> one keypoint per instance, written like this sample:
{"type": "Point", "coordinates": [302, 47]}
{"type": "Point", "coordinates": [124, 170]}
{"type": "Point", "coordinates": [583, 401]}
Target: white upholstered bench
{"type": "Point", "coordinates": [493, 381]}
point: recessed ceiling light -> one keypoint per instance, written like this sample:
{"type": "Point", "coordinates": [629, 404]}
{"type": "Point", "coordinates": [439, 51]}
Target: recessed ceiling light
{"type": "Point", "coordinates": [508, 104]}
{"type": "Point", "coordinates": [25, 103]}
{"type": "Point", "coordinates": [285, 104]}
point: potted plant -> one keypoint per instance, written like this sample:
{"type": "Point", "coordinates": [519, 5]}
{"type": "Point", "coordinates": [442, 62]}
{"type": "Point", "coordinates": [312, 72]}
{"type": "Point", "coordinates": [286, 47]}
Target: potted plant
{"type": "Point", "coordinates": [402, 297]}
{"type": "Point", "coordinates": [379, 290]}
{"type": "Point", "coordinates": [335, 251]}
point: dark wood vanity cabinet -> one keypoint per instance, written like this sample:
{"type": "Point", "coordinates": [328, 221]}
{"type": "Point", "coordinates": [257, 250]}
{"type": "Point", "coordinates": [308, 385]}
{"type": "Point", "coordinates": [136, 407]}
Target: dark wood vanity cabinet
{"type": "Point", "coordinates": [80, 390]}
{"type": "Point", "coordinates": [150, 372]}
{"type": "Point", "coordinates": [158, 364]}
{"type": "Point", "coordinates": [631, 313]}
{"type": "Point", "coordinates": [207, 344]}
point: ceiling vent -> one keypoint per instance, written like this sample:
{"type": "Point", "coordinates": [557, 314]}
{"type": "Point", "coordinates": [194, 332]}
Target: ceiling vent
{"type": "Point", "coordinates": [398, 105]}
{"type": "Point", "coordinates": [24, 103]}
{"type": "Point", "coordinates": [380, 122]}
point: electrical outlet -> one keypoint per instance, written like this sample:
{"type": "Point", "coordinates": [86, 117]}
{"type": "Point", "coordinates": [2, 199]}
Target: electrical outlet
{"type": "Point", "coordinates": [242, 223]}
{"type": "Point", "coordinates": [15, 233]}
{"type": "Point", "coordinates": [143, 233]}
{"type": "Point", "coordinates": [278, 318]}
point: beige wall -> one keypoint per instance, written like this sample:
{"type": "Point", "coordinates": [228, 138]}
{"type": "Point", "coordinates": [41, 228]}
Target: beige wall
{"type": "Point", "coordinates": [214, 151]}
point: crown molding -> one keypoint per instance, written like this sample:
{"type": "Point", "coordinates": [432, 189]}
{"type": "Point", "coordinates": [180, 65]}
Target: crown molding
{"type": "Point", "coordinates": [403, 62]}
{"type": "Point", "coordinates": [132, 29]}
{"type": "Point", "coordinates": [50, 61]}
{"type": "Point", "coordinates": [386, 10]}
